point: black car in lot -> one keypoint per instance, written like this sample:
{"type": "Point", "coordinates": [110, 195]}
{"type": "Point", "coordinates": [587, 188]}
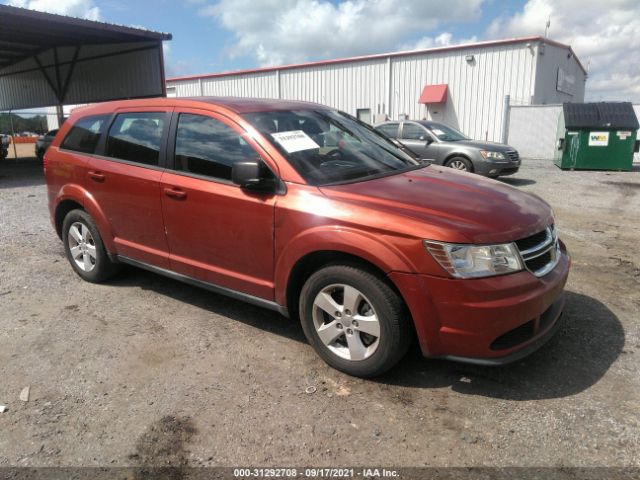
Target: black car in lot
{"type": "Point", "coordinates": [4, 146]}
{"type": "Point", "coordinates": [43, 143]}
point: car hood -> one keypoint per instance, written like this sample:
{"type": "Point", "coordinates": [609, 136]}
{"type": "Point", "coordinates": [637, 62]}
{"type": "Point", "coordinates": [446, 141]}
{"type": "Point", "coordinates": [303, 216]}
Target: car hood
{"type": "Point", "coordinates": [481, 145]}
{"type": "Point", "coordinates": [438, 203]}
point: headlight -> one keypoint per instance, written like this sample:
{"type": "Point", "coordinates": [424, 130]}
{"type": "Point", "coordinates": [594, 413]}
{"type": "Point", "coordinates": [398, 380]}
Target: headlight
{"type": "Point", "coordinates": [492, 155]}
{"type": "Point", "coordinates": [473, 261]}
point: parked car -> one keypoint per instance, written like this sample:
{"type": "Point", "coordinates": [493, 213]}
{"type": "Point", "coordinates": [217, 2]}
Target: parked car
{"type": "Point", "coordinates": [444, 145]}
{"type": "Point", "coordinates": [305, 210]}
{"type": "Point", "coordinates": [43, 142]}
{"type": "Point", "coordinates": [4, 146]}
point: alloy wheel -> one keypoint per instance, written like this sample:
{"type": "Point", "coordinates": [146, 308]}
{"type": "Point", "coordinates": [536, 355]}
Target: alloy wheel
{"type": "Point", "coordinates": [458, 165]}
{"type": "Point", "coordinates": [346, 322]}
{"type": "Point", "coordinates": [82, 246]}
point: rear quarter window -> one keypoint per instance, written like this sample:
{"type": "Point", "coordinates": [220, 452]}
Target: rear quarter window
{"type": "Point", "coordinates": [85, 134]}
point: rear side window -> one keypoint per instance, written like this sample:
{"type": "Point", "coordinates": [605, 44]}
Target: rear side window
{"type": "Point", "coordinates": [136, 137]}
{"type": "Point", "coordinates": [206, 146]}
{"type": "Point", "coordinates": [85, 134]}
{"type": "Point", "coordinates": [389, 129]}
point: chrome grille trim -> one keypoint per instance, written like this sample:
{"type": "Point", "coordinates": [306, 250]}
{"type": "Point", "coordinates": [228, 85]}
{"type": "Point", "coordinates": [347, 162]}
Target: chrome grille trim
{"type": "Point", "coordinates": [513, 155]}
{"type": "Point", "coordinates": [550, 246]}
{"type": "Point", "coordinates": [547, 241]}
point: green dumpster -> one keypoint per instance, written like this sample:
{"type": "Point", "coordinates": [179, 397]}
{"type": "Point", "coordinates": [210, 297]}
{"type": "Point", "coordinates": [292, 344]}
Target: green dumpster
{"type": "Point", "coordinates": [596, 136]}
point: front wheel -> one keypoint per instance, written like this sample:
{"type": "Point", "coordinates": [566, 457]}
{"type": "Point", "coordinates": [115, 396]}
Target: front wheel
{"type": "Point", "coordinates": [354, 320]}
{"type": "Point", "coordinates": [460, 163]}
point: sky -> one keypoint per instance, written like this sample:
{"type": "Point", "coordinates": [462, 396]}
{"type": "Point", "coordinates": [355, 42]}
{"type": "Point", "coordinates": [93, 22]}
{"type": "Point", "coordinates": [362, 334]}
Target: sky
{"type": "Point", "coordinates": [223, 35]}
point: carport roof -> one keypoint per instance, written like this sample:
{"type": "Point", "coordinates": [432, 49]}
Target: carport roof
{"type": "Point", "coordinates": [24, 33]}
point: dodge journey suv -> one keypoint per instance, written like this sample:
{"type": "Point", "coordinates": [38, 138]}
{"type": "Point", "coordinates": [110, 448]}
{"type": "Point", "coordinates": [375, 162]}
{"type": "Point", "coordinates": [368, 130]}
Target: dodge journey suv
{"type": "Point", "coordinates": [302, 209]}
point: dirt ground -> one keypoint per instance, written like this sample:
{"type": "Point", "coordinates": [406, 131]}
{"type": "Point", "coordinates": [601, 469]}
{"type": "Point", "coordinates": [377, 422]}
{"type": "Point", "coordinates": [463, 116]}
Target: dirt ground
{"type": "Point", "coordinates": [148, 371]}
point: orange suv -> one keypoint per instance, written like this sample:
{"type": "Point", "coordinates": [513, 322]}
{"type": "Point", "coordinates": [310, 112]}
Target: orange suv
{"type": "Point", "coordinates": [303, 209]}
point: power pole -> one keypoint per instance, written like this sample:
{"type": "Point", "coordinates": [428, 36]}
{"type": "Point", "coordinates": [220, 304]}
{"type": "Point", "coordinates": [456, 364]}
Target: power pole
{"type": "Point", "coordinates": [546, 28]}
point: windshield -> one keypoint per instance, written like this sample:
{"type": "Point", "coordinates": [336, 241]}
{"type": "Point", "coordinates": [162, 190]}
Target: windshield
{"type": "Point", "coordinates": [327, 147]}
{"type": "Point", "coordinates": [445, 133]}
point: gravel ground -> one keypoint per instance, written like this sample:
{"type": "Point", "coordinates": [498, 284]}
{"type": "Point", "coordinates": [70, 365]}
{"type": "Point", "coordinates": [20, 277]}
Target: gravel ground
{"type": "Point", "coordinates": [148, 371]}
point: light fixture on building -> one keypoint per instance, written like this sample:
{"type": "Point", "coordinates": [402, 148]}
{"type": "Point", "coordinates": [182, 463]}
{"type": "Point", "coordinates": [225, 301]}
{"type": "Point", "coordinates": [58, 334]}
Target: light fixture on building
{"type": "Point", "coordinates": [470, 58]}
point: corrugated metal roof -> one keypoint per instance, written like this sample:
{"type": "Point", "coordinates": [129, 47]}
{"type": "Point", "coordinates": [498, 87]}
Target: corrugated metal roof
{"type": "Point", "coordinates": [23, 33]}
{"type": "Point", "coordinates": [486, 44]}
{"type": "Point", "coordinates": [600, 115]}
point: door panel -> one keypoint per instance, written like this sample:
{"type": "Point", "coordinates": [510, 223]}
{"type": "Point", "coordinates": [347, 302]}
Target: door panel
{"type": "Point", "coordinates": [125, 181]}
{"type": "Point", "coordinates": [129, 195]}
{"type": "Point", "coordinates": [415, 137]}
{"type": "Point", "coordinates": [217, 232]}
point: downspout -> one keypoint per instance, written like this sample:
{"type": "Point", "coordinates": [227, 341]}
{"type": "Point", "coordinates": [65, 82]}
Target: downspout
{"type": "Point", "coordinates": [506, 110]}
{"type": "Point", "coordinates": [389, 86]}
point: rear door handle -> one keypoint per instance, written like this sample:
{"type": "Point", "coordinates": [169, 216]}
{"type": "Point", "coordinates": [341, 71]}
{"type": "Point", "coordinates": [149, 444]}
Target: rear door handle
{"type": "Point", "coordinates": [97, 176]}
{"type": "Point", "coordinates": [175, 192]}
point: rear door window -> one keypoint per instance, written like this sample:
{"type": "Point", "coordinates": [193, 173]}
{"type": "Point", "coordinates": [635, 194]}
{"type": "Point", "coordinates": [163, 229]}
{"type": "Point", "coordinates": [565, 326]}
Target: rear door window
{"type": "Point", "coordinates": [85, 134]}
{"type": "Point", "coordinates": [136, 137]}
{"type": "Point", "coordinates": [389, 129]}
{"type": "Point", "coordinates": [206, 146]}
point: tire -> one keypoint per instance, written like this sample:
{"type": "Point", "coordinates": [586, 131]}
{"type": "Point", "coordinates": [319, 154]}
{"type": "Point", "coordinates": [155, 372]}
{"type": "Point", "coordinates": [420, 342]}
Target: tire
{"type": "Point", "coordinates": [460, 163]}
{"type": "Point", "coordinates": [348, 341]}
{"type": "Point", "coordinates": [89, 258]}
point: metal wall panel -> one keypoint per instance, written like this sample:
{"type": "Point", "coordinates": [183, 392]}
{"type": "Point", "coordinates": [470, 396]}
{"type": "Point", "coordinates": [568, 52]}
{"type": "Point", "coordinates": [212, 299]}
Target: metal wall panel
{"type": "Point", "coordinates": [550, 59]}
{"type": "Point", "coordinates": [533, 129]}
{"type": "Point", "coordinates": [101, 75]}
{"type": "Point", "coordinates": [348, 86]}
{"type": "Point", "coordinates": [476, 88]}
{"type": "Point", "coordinates": [258, 85]}
{"type": "Point", "coordinates": [475, 102]}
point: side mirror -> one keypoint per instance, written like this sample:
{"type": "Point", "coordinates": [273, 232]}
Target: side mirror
{"type": "Point", "coordinates": [253, 175]}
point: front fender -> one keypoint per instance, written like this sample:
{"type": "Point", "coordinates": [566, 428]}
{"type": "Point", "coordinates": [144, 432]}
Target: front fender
{"type": "Point", "coordinates": [375, 249]}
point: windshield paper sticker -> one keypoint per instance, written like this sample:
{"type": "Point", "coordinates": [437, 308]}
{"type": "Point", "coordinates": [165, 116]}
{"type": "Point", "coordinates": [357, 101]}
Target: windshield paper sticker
{"type": "Point", "coordinates": [438, 132]}
{"type": "Point", "coordinates": [295, 141]}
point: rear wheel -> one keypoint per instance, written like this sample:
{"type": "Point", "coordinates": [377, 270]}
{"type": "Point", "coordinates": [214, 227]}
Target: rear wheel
{"type": "Point", "coordinates": [354, 320]}
{"type": "Point", "coordinates": [84, 248]}
{"type": "Point", "coordinates": [460, 163]}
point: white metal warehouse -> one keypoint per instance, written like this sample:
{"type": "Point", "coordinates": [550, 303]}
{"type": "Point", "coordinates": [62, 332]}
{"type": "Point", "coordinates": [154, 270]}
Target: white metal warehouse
{"type": "Point", "coordinates": [464, 85]}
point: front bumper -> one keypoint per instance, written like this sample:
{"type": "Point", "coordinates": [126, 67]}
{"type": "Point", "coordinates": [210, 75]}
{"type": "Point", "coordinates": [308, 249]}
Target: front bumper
{"type": "Point", "coordinates": [491, 320]}
{"type": "Point", "coordinates": [497, 168]}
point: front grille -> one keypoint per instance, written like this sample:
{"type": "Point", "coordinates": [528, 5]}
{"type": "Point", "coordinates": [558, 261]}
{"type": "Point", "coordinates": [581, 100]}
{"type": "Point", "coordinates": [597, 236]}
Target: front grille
{"type": "Point", "coordinates": [532, 241]}
{"type": "Point", "coordinates": [540, 252]}
{"type": "Point", "coordinates": [513, 155]}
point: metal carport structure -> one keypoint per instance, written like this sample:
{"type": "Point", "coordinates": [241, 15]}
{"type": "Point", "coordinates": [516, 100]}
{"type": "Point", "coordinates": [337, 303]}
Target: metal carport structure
{"type": "Point", "coordinates": [53, 60]}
